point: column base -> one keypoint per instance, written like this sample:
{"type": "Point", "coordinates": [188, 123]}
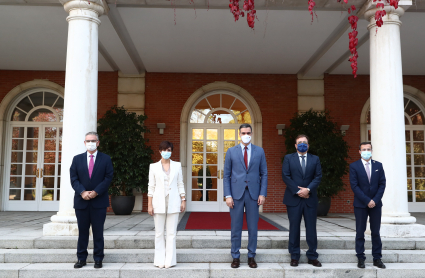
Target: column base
{"type": "Point", "coordinates": [401, 231]}
{"type": "Point", "coordinates": [62, 225]}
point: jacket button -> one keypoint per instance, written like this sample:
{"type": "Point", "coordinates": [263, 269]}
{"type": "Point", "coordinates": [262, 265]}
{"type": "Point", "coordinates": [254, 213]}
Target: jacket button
{"type": "Point", "coordinates": [247, 172]}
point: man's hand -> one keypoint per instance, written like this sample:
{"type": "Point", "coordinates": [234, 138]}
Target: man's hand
{"type": "Point", "coordinates": [86, 195]}
{"type": "Point", "coordinates": [304, 193]}
{"type": "Point", "coordinates": [261, 200]}
{"type": "Point", "coordinates": [150, 210]}
{"type": "Point", "coordinates": [371, 204]}
{"type": "Point", "coordinates": [92, 194]}
{"type": "Point", "coordinates": [229, 202]}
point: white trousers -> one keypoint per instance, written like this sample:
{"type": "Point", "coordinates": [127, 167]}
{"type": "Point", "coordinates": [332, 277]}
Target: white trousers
{"type": "Point", "coordinates": [165, 245]}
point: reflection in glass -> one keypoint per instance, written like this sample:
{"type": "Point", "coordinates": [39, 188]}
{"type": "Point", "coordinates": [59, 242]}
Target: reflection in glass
{"type": "Point", "coordinates": [419, 172]}
{"type": "Point", "coordinates": [211, 183]}
{"type": "Point", "coordinates": [49, 157]}
{"type": "Point", "coordinates": [418, 119]}
{"type": "Point", "coordinates": [14, 194]}
{"type": "Point", "coordinates": [411, 108]}
{"type": "Point", "coordinates": [407, 132]}
{"type": "Point", "coordinates": [50, 99]}
{"type": "Point", "coordinates": [419, 184]}
{"type": "Point", "coordinates": [17, 144]}
{"type": "Point", "coordinates": [17, 157]}
{"type": "Point", "coordinates": [408, 150]}
{"type": "Point", "coordinates": [50, 132]}
{"type": "Point", "coordinates": [197, 134]}
{"type": "Point", "coordinates": [420, 196]}
{"type": "Point", "coordinates": [211, 196]}
{"type": "Point", "coordinates": [227, 101]}
{"type": "Point", "coordinates": [203, 104]}
{"type": "Point", "coordinates": [409, 196]}
{"type": "Point", "coordinates": [59, 182]}
{"type": "Point", "coordinates": [37, 98]}
{"type": "Point", "coordinates": [16, 169]}
{"type": "Point", "coordinates": [31, 157]}
{"type": "Point", "coordinates": [418, 147]}
{"type": "Point", "coordinates": [48, 182]}
{"type": "Point", "coordinates": [244, 117]}
{"type": "Point", "coordinates": [15, 182]}
{"type": "Point", "coordinates": [58, 195]}
{"type": "Point", "coordinates": [229, 134]}
{"type": "Point", "coordinates": [32, 132]}
{"type": "Point", "coordinates": [50, 145]}
{"type": "Point", "coordinates": [60, 157]}
{"type": "Point", "coordinates": [238, 106]}
{"type": "Point", "coordinates": [30, 182]}
{"type": "Point", "coordinates": [47, 195]}
{"type": "Point", "coordinates": [196, 169]}
{"type": "Point", "coordinates": [228, 144]}
{"type": "Point", "coordinates": [18, 115]}
{"type": "Point", "coordinates": [18, 132]}
{"type": "Point", "coordinates": [197, 158]}
{"type": "Point", "coordinates": [32, 144]}
{"type": "Point", "coordinates": [419, 159]}
{"type": "Point", "coordinates": [25, 104]}
{"type": "Point", "coordinates": [197, 195]}
{"type": "Point", "coordinates": [197, 183]}
{"type": "Point", "coordinates": [29, 195]}
{"type": "Point", "coordinates": [212, 134]}
{"type": "Point", "coordinates": [31, 169]}
{"type": "Point", "coordinates": [409, 184]}
{"type": "Point", "coordinates": [418, 135]}
{"type": "Point", "coordinates": [60, 145]}
{"type": "Point", "coordinates": [211, 158]}
{"type": "Point", "coordinates": [220, 117]}
{"type": "Point", "coordinates": [59, 169]}
{"type": "Point", "coordinates": [409, 172]}
{"type": "Point", "coordinates": [49, 170]}
{"type": "Point", "coordinates": [197, 146]}
{"type": "Point", "coordinates": [214, 101]}
{"type": "Point", "coordinates": [212, 146]}
{"type": "Point", "coordinates": [42, 115]}
{"type": "Point", "coordinates": [197, 117]}
{"type": "Point", "coordinates": [211, 171]}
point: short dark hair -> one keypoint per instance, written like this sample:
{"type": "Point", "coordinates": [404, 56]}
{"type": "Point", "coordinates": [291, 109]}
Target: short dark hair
{"type": "Point", "coordinates": [165, 145]}
{"type": "Point", "coordinates": [245, 126]}
{"type": "Point", "coordinates": [365, 143]}
{"type": "Point", "coordinates": [301, 136]}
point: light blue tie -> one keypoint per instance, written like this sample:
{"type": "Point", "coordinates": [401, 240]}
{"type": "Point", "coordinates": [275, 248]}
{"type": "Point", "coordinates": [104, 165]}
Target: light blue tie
{"type": "Point", "coordinates": [303, 164]}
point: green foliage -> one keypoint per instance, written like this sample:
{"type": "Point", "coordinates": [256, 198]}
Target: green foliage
{"type": "Point", "coordinates": [326, 141]}
{"type": "Point", "coordinates": [121, 137]}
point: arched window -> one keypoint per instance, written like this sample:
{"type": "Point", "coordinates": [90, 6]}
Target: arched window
{"type": "Point", "coordinates": [220, 108]}
{"type": "Point", "coordinates": [39, 107]}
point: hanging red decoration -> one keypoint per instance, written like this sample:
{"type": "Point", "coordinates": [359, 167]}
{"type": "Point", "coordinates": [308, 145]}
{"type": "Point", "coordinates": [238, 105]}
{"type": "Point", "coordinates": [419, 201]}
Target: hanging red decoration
{"type": "Point", "coordinates": [353, 43]}
{"type": "Point", "coordinates": [248, 7]}
{"type": "Point", "coordinates": [311, 5]}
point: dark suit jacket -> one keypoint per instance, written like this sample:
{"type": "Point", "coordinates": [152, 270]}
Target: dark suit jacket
{"type": "Point", "coordinates": [103, 172]}
{"type": "Point", "coordinates": [292, 175]}
{"type": "Point", "coordinates": [363, 190]}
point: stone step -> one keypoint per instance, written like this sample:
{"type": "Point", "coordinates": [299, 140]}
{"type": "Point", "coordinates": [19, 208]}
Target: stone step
{"type": "Point", "coordinates": [210, 242]}
{"type": "Point", "coordinates": [201, 256]}
{"type": "Point", "coordinates": [216, 270]}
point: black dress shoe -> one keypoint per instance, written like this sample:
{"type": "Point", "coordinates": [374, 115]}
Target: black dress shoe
{"type": "Point", "coordinates": [360, 263]}
{"type": "Point", "coordinates": [98, 264]}
{"type": "Point", "coordinates": [80, 264]}
{"type": "Point", "coordinates": [236, 263]}
{"type": "Point", "coordinates": [379, 263]}
{"type": "Point", "coordinates": [315, 263]}
{"type": "Point", "coordinates": [252, 263]}
{"type": "Point", "coordinates": [294, 262]}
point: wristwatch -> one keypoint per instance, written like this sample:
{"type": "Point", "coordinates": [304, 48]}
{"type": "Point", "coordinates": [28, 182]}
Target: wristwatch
{"type": "Point", "coordinates": [184, 199]}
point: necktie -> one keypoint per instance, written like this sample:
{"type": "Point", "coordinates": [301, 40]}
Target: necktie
{"type": "Point", "coordinates": [368, 171]}
{"type": "Point", "coordinates": [91, 165]}
{"type": "Point", "coordinates": [303, 164]}
{"type": "Point", "coordinates": [245, 157]}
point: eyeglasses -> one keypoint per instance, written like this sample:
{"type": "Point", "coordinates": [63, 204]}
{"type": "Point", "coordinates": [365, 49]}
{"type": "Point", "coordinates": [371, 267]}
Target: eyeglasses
{"type": "Point", "coordinates": [246, 133]}
{"type": "Point", "coordinates": [91, 141]}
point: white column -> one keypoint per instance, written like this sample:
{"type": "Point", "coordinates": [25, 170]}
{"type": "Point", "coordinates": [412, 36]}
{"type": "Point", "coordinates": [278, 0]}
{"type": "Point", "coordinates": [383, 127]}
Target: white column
{"type": "Point", "coordinates": [80, 108]}
{"type": "Point", "coordinates": [387, 120]}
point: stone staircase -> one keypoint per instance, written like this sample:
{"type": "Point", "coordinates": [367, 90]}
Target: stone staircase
{"type": "Point", "coordinates": [205, 256]}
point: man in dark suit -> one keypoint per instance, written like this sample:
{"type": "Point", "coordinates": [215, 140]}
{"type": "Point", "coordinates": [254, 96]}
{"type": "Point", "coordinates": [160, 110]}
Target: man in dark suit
{"type": "Point", "coordinates": [91, 173]}
{"type": "Point", "coordinates": [245, 187]}
{"type": "Point", "coordinates": [302, 174]}
{"type": "Point", "coordinates": [367, 179]}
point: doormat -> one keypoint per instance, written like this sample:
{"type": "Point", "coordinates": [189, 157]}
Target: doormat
{"type": "Point", "coordinates": [202, 221]}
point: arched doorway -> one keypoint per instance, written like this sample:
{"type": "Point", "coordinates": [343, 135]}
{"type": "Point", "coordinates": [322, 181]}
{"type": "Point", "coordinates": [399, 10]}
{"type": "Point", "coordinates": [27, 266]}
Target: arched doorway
{"type": "Point", "coordinates": [212, 129]}
{"type": "Point", "coordinates": [33, 149]}
{"type": "Point", "coordinates": [414, 118]}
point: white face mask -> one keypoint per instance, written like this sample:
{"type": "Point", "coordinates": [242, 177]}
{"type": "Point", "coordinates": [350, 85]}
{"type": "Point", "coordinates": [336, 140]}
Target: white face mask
{"type": "Point", "coordinates": [91, 146]}
{"type": "Point", "coordinates": [246, 139]}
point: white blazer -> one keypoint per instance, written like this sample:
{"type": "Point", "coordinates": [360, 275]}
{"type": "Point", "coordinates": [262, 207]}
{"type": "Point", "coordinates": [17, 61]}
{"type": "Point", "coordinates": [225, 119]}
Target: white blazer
{"type": "Point", "coordinates": [156, 188]}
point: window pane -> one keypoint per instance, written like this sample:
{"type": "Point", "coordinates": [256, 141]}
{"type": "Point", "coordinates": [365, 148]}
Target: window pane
{"type": "Point", "coordinates": [42, 115]}
{"type": "Point", "coordinates": [408, 159]}
{"type": "Point", "coordinates": [418, 135]}
{"type": "Point", "coordinates": [50, 145]}
{"type": "Point", "coordinates": [47, 195]}
{"type": "Point", "coordinates": [369, 135]}
{"type": "Point", "coordinates": [409, 196]}
{"type": "Point", "coordinates": [18, 132]}
{"type": "Point", "coordinates": [30, 182]}
{"type": "Point", "coordinates": [15, 194]}
{"type": "Point", "coordinates": [411, 108]}
{"type": "Point", "coordinates": [59, 108]}
{"type": "Point", "coordinates": [214, 100]}
{"type": "Point", "coordinates": [227, 101]}
{"type": "Point", "coordinates": [49, 99]}
{"type": "Point", "coordinates": [221, 117]}
{"type": "Point", "coordinates": [32, 144]}
{"type": "Point", "coordinates": [32, 157]}
{"type": "Point", "coordinates": [58, 195]}
{"type": "Point", "coordinates": [197, 195]}
{"type": "Point", "coordinates": [409, 184]}
{"type": "Point", "coordinates": [197, 183]}
{"type": "Point", "coordinates": [244, 118]}
{"type": "Point", "coordinates": [211, 158]}
{"type": "Point", "coordinates": [197, 158]}
{"type": "Point", "coordinates": [197, 117]}
{"type": "Point", "coordinates": [197, 134]}
{"type": "Point", "coordinates": [420, 196]}
{"type": "Point", "coordinates": [25, 105]}
{"type": "Point", "coordinates": [17, 157]}
{"type": "Point", "coordinates": [419, 159]}
{"type": "Point", "coordinates": [59, 182]}
{"type": "Point", "coordinates": [212, 134]}
{"type": "Point", "coordinates": [419, 172]}
{"type": "Point", "coordinates": [15, 182]}
{"type": "Point", "coordinates": [211, 171]}
{"type": "Point", "coordinates": [49, 182]}
{"type": "Point", "coordinates": [29, 195]}
{"type": "Point", "coordinates": [418, 147]}
{"type": "Point", "coordinates": [60, 157]}
{"type": "Point", "coordinates": [419, 184]}
{"type": "Point", "coordinates": [418, 119]}
{"type": "Point", "coordinates": [30, 169]}
{"type": "Point", "coordinates": [18, 115]}
{"type": "Point", "coordinates": [229, 134]}
{"type": "Point", "coordinates": [197, 170]}
{"type": "Point", "coordinates": [49, 170]}
{"type": "Point", "coordinates": [211, 183]}
{"type": "Point", "coordinates": [212, 146]}
{"type": "Point", "coordinates": [16, 169]}
{"type": "Point", "coordinates": [238, 107]}
{"type": "Point", "coordinates": [49, 157]}
{"type": "Point", "coordinates": [37, 98]}
{"type": "Point", "coordinates": [407, 135]}
{"type": "Point", "coordinates": [197, 146]}
{"type": "Point", "coordinates": [203, 104]}
{"type": "Point", "coordinates": [408, 150]}
{"type": "Point", "coordinates": [228, 144]}
{"type": "Point", "coordinates": [32, 132]}
{"type": "Point", "coordinates": [50, 132]}
{"type": "Point", "coordinates": [17, 144]}
{"type": "Point", "coordinates": [409, 172]}
{"type": "Point", "coordinates": [211, 196]}
{"type": "Point", "coordinates": [368, 117]}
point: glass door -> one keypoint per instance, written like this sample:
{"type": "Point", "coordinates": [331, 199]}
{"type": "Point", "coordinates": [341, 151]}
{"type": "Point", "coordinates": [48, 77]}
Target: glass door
{"type": "Point", "coordinates": [208, 147]}
{"type": "Point", "coordinates": [34, 168]}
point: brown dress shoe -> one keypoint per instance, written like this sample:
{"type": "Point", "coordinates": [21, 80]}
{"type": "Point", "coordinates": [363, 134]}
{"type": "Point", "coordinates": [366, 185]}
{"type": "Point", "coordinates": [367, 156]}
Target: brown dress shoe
{"type": "Point", "coordinates": [252, 263]}
{"type": "Point", "coordinates": [315, 263]}
{"type": "Point", "coordinates": [236, 263]}
{"type": "Point", "coordinates": [294, 262]}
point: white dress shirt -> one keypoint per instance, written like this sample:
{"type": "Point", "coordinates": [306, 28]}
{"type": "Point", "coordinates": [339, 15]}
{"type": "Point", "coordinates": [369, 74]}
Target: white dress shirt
{"type": "Point", "coordinates": [370, 166]}
{"type": "Point", "coordinates": [301, 162]}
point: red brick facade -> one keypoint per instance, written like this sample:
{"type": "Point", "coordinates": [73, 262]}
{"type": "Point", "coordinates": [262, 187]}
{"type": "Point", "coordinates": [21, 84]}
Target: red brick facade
{"type": "Point", "coordinates": [276, 95]}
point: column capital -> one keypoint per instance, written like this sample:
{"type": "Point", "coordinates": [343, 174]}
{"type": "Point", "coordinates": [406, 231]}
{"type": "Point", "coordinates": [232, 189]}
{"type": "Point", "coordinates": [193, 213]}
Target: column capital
{"type": "Point", "coordinates": [98, 6]}
{"type": "Point", "coordinates": [393, 15]}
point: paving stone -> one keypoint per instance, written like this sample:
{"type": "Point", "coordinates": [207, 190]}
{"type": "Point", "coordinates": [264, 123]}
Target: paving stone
{"type": "Point", "coordinates": [411, 256]}
{"type": "Point", "coordinates": [135, 242]}
{"type": "Point", "coordinates": [328, 270]}
{"type": "Point", "coordinates": [67, 270]}
{"type": "Point", "coordinates": [420, 243]}
{"type": "Point", "coordinates": [279, 242]}
{"type": "Point", "coordinates": [225, 243]}
{"type": "Point", "coordinates": [348, 256]}
{"type": "Point", "coordinates": [69, 242]}
{"type": "Point", "coordinates": [11, 270]}
{"type": "Point", "coordinates": [398, 244]}
{"type": "Point", "coordinates": [181, 270]}
{"type": "Point", "coordinates": [402, 270]}
{"type": "Point", "coordinates": [11, 242]}
{"type": "Point", "coordinates": [223, 270]}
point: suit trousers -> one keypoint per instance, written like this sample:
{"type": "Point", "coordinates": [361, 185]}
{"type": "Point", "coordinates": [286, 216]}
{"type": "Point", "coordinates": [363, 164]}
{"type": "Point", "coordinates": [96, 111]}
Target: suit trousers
{"type": "Point", "coordinates": [375, 225]}
{"type": "Point", "coordinates": [252, 217]}
{"type": "Point", "coordinates": [96, 218]}
{"type": "Point", "coordinates": [295, 214]}
{"type": "Point", "coordinates": [165, 244]}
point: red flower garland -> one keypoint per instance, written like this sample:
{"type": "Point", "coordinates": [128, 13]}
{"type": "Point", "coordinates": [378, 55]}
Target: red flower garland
{"type": "Point", "coordinates": [353, 43]}
{"type": "Point", "coordinates": [248, 6]}
{"type": "Point", "coordinates": [311, 5]}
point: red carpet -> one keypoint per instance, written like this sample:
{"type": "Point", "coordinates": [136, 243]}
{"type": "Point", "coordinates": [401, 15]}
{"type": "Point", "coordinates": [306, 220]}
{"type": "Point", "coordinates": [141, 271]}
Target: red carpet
{"type": "Point", "coordinates": [219, 221]}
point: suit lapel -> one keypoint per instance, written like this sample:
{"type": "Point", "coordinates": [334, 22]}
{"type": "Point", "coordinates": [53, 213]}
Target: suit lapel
{"type": "Point", "coordinates": [364, 171]}
{"type": "Point", "coordinates": [253, 148]}
{"type": "Point", "coordinates": [96, 163]}
{"type": "Point", "coordinates": [239, 150]}
{"type": "Point", "coordinates": [309, 163]}
{"type": "Point", "coordinates": [297, 163]}
{"type": "Point", "coordinates": [372, 170]}
{"type": "Point", "coordinates": [172, 171]}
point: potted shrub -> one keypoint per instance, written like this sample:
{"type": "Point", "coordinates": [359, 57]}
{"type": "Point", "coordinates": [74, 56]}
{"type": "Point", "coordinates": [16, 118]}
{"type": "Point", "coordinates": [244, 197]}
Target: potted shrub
{"type": "Point", "coordinates": [326, 141]}
{"type": "Point", "coordinates": [121, 135]}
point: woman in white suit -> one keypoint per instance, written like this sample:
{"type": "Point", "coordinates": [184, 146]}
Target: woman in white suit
{"type": "Point", "coordinates": [166, 199]}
